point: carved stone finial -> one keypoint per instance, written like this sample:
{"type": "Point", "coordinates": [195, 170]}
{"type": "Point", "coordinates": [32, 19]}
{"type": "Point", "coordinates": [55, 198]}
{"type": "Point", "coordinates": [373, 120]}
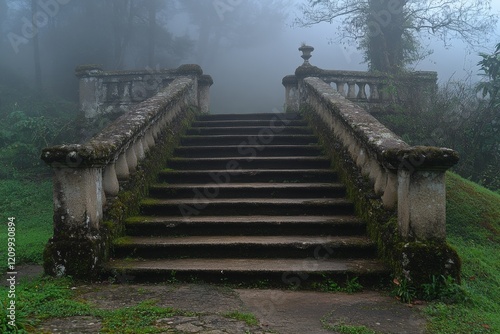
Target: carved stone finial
{"type": "Point", "coordinates": [306, 53]}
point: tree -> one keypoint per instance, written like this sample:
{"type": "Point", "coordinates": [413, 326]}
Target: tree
{"type": "Point", "coordinates": [490, 65]}
{"type": "Point", "coordinates": [389, 31]}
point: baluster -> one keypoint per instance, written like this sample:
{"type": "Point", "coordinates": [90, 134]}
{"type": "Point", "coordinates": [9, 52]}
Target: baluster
{"type": "Point", "coordinates": [121, 167]}
{"type": "Point", "coordinates": [110, 180]}
{"type": "Point", "coordinates": [139, 149]}
{"type": "Point", "coordinates": [131, 158]}
{"type": "Point", "coordinates": [374, 94]}
{"type": "Point", "coordinates": [351, 93]}
{"type": "Point", "coordinates": [362, 91]}
{"type": "Point", "coordinates": [340, 88]}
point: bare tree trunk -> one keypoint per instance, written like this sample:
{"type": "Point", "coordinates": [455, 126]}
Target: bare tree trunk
{"type": "Point", "coordinates": [36, 50]}
{"type": "Point", "coordinates": [122, 29]}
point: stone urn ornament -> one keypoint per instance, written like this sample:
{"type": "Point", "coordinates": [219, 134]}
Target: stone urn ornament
{"type": "Point", "coordinates": [306, 53]}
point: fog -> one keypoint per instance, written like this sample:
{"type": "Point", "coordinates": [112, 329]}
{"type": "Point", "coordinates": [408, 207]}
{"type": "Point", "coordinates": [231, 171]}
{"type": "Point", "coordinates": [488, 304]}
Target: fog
{"type": "Point", "coordinates": [251, 45]}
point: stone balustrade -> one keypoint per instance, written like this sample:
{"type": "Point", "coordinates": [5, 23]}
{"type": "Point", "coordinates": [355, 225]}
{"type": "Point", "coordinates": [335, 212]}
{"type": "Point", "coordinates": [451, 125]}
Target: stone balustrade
{"type": "Point", "coordinates": [374, 91]}
{"type": "Point", "coordinates": [87, 176]}
{"type": "Point", "coordinates": [409, 179]}
{"type": "Point", "coordinates": [104, 93]}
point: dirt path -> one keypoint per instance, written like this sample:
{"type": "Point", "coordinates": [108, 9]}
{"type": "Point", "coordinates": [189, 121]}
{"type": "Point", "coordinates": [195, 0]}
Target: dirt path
{"type": "Point", "coordinates": [277, 311]}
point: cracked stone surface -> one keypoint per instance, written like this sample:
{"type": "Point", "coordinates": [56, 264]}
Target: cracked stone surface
{"type": "Point", "coordinates": [277, 311]}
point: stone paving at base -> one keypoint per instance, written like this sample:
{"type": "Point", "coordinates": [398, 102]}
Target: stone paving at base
{"type": "Point", "coordinates": [278, 311]}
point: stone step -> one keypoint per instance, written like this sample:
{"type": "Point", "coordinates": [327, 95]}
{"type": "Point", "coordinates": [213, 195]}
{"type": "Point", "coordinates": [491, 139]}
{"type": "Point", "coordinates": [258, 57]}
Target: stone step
{"type": "Point", "coordinates": [290, 273]}
{"type": "Point", "coordinates": [246, 150]}
{"type": "Point", "coordinates": [252, 116]}
{"type": "Point", "coordinates": [245, 206]}
{"type": "Point", "coordinates": [239, 139]}
{"type": "Point", "coordinates": [249, 162]}
{"type": "Point", "coordinates": [222, 246]}
{"type": "Point", "coordinates": [245, 225]}
{"type": "Point", "coordinates": [249, 190]}
{"type": "Point", "coordinates": [248, 198]}
{"type": "Point", "coordinates": [273, 123]}
{"type": "Point", "coordinates": [231, 175]}
{"type": "Point", "coordinates": [265, 134]}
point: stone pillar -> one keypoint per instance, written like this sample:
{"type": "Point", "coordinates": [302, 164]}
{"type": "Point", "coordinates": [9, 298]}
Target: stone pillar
{"type": "Point", "coordinates": [76, 247]}
{"type": "Point", "coordinates": [90, 86]}
{"type": "Point", "coordinates": [292, 97]}
{"type": "Point", "coordinates": [422, 205]}
{"type": "Point", "coordinates": [422, 192]}
{"type": "Point", "coordinates": [204, 83]}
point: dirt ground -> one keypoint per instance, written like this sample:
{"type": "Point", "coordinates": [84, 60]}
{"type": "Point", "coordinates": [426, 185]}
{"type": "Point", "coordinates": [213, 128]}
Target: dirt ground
{"type": "Point", "coordinates": [278, 311]}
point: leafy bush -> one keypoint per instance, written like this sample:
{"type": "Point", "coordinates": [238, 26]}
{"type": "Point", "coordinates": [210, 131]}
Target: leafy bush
{"type": "Point", "coordinates": [26, 126]}
{"type": "Point", "coordinates": [457, 119]}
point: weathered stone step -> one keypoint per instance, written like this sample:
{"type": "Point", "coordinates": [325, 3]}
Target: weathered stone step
{"type": "Point", "coordinates": [247, 150]}
{"type": "Point", "coordinates": [253, 116]}
{"type": "Point", "coordinates": [242, 206]}
{"type": "Point", "coordinates": [231, 175]}
{"type": "Point", "coordinates": [249, 162]}
{"type": "Point", "coordinates": [273, 123]}
{"type": "Point", "coordinates": [293, 273]}
{"type": "Point", "coordinates": [222, 246]}
{"type": "Point", "coordinates": [239, 139]}
{"type": "Point", "coordinates": [249, 190]}
{"type": "Point", "coordinates": [265, 134]}
{"type": "Point", "coordinates": [245, 225]}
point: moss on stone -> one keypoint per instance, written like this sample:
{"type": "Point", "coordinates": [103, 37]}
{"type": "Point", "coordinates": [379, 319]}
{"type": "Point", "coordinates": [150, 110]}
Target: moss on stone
{"type": "Point", "coordinates": [409, 260]}
{"type": "Point", "coordinates": [189, 69]}
{"type": "Point", "coordinates": [308, 71]}
{"type": "Point", "coordinates": [88, 251]}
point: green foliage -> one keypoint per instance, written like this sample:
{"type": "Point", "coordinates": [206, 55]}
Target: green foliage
{"type": "Point", "coordinates": [404, 290]}
{"type": "Point", "coordinates": [248, 318]}
{"type": "Point", "coordinates": [329, 285]}
{"type": "Point", "coordinates": [490, 65]}
{"type": "Point", "coordinates": [444, 289]}
{"type": "Point", "coordinates": [344, 328]}
{"type": "Point", "coordinates": [30, 202]}
{"type": "Point", "coordinates": [46, 298]}
{"type": "Point", "coordinates": [457, 119]}
{"type": "Point", "coordinates": [473, 225]}
{"type": "Point", "coordinates": [26, 126]}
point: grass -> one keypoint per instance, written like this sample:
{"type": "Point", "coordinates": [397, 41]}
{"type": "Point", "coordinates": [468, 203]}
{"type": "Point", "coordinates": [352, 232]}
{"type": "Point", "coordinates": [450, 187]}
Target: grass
{"type": "Point", "coordinates": [248, 318]}
{"type": "Point", "coordinates": [46, 298]}
{"type": "Point", "coordinates": [30, 202]}
{"type": "Point", "coordinates": [473, 224]}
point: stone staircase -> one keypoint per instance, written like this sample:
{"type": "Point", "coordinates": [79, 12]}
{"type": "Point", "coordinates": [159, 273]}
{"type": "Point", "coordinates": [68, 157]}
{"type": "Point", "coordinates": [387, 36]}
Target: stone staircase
{"type": "Point", "coordinates": [247, 198]}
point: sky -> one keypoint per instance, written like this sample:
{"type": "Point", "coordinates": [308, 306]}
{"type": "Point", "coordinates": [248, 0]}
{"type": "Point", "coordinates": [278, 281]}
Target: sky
{"type": "Point", "coordinates": [252, 77]}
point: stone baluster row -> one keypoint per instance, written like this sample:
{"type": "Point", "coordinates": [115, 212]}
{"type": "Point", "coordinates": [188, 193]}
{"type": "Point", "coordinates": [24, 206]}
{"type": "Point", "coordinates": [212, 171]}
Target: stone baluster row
{"type": "Point", "coordinates": [359, 87]}
{"type": "Point", "coordinates": [128, 159]}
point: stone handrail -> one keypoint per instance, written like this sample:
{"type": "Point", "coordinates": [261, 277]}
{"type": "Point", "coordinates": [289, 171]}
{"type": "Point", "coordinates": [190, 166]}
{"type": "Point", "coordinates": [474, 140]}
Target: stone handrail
{"type": "Point", "coordinates": [86, 175]}
{"type": "Point", "coordinates": [408, 178]}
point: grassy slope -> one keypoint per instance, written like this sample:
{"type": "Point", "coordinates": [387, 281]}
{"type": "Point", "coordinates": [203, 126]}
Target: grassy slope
{"type": "Point", "coordinates": [473, 223]}
{"type": "Point", "coordinates": [31, 204]}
